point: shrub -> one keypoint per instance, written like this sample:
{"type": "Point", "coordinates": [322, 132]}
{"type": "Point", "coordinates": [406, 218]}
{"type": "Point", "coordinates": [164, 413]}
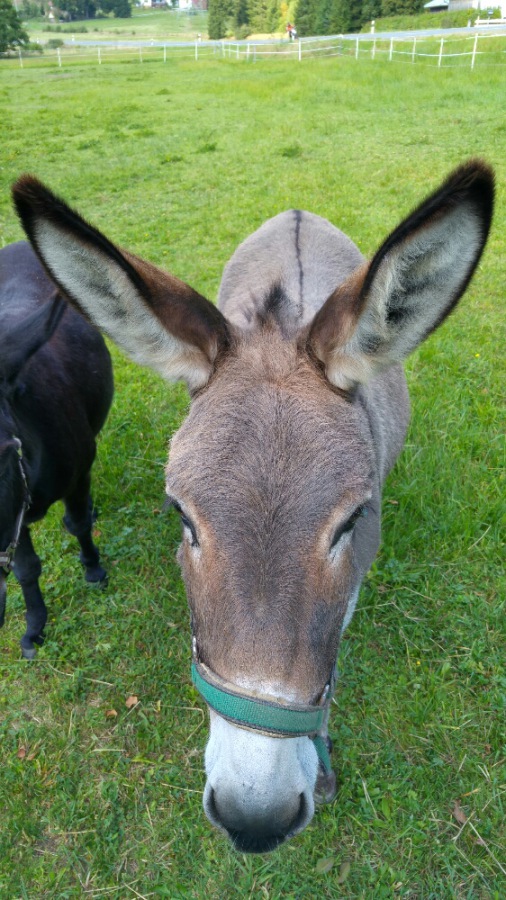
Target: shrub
{"type": "Point", "coordinates": [241, 32]}
{"type": "Point", "coordinates": [33, 48]}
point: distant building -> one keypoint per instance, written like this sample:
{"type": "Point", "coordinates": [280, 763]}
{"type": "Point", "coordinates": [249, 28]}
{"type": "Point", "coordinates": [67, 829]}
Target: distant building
{"type": "Point", "coordinates": [188, 5]}
{"type": "Point", "coordinates": [437, 5]}
{"type": "Point", "coordinates": [480, 6]}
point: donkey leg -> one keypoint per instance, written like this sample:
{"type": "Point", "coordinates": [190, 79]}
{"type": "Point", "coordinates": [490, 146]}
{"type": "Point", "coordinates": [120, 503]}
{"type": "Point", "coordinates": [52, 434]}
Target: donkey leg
{"type": "Point", "coordinates": [78, 521]}
{"type": "Point", "coordinates": [27, 569]}
{"type": "Point", "coordinates": [3, 596]}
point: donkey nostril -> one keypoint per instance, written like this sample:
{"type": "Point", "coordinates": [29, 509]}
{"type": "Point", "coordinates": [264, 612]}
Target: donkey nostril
{"type": "Point", "coordinates": [212, 810]}
{"type": "Point", "coordinates": [256, 833]}
{"type": "Point", "coordinates": [301, 817]}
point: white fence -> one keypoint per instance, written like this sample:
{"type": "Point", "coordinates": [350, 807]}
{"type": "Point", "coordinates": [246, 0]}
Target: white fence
{"type": "Point", "coordinates": [470, 51]}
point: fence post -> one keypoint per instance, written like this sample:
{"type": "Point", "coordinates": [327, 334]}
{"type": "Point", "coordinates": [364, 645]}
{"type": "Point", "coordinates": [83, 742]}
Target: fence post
{"type": "Point", "coordinates": [140, 54]}
{"type": "Point", "coordinates": [247, 52]}
{"type": "Point", "coordinates": [391, 50]}
{"type": "Point", "coordinates": [475, 47]}
{"type": "Point", "coordinates": [20, 58]}
{"type": "Point", "coordinates": [237, 54]}
{"type": "Point", "coordinates": [196, 50]}
{"type": "Point", "coordinates": [413, 53]}
{"type": "Point", "coordinates": [59, 57]}
{"type": "Point", "coordinates": [165, 52]}
{"type": "Point", "coordinates": [356, 49]}
{"type": "Point", "coordinates": [440, 53]}
{"type": "Point", "coordinates": [300, 50]}
{"type": "Point", "coordinates": [99, 58]}
{"type": "Point", "coordinates": [373, 51]}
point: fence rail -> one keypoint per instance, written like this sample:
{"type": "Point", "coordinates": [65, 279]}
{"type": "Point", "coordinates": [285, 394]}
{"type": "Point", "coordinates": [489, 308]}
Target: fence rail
{"type": "Point", "coordinates": [470, 51]}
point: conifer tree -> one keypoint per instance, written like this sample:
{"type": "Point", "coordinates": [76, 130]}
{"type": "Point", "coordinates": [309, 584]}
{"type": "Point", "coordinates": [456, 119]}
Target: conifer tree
{"type": "Point", "coordinates": [273, 21]}
{"type": "Point", "coordinates": [305, 17]}
{"type": "Point", "coordinates": [219, 13]}
{"type": "Point", "coordinates": [241, 13]}
{"type": "Point", "coordinates": [258, 14]}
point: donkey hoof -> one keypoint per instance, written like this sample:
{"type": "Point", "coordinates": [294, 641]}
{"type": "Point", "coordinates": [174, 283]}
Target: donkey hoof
{"type": "Point", "coordinates": [97, 575]}
{"type": "Point", "coordinates": [326, 787]}
{"type": "Point", "coordinates": [28, 652]}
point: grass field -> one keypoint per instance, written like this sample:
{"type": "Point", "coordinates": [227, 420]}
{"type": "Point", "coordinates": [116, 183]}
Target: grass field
{"type": "Point", "coordinates": [468, 51]}
{"type": "Point", "coordinates": [102, 799]}
{"type": "Point", "coordinates": [144, 24]}
{"type": "Point", "coordinates": [455, 19]}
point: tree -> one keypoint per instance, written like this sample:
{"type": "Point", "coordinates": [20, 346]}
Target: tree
{"type": "Point", "coordinates": [77, 9]}
{"type": "Point", "coordinates": [322, 18]}
{"type": "Point", "coordinates": [30, 9]}
{"type": "Point", "coordinates": [219, 12]}
{"type": "Point", "coordinates": [12, 33]}
{"type": "Point", "coordinates": [258, 13]}
{"type": "Point", "coordinates": [273, 21]}
{"type": "Point", "coordinates": [400, 7]}
{"type": "Point", "coordinates": [120, 8]}
{"type": "Point", "coordinates": [241, 13]}
{"type": "Point", "coordinates": [305, 17]}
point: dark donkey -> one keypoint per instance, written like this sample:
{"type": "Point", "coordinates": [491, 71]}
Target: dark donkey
{"type": "Point", "coordinates": [55, 392]}
{"type": "Point", "coordinates": [299, 410]}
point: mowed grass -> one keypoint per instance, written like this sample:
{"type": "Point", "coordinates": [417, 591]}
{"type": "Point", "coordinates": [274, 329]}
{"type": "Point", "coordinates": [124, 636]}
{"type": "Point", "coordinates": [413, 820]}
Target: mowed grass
{"type": "Point", "coordinates": [103, 799]}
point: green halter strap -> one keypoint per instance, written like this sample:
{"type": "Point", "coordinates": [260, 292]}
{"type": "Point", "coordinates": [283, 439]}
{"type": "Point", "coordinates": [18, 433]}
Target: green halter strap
{"type": "Point", "coordinates": [265, 716]}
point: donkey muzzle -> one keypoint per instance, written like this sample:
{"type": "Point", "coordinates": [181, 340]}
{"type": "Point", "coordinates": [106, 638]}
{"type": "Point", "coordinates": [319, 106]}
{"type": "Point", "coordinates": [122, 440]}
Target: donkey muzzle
{"type": "Point", "coordinates": [259, 789]}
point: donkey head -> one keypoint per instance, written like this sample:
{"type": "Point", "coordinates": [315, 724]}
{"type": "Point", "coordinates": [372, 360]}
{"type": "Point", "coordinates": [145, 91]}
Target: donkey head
{"type": "Point", "coordinates": [298, 411]}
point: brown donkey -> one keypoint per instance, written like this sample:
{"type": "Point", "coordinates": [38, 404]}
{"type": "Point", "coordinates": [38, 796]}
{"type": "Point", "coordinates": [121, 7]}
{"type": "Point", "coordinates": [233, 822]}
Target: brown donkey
{"type": "Point", "coordinates": [299, 410]}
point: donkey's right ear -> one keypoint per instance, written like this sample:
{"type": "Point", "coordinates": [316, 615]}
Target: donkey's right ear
{"type": "Point", "coordinates": [390, 305]}
{"type": "Point", "coordinates": [156, 319]}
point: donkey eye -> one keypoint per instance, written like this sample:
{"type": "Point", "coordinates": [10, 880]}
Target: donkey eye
{"type": "Point", "coordinates": [186, 523]}
{"type": "Point", "coordinates": [349, 525]}
{"type": "Point", "coordinates": [191, 529]}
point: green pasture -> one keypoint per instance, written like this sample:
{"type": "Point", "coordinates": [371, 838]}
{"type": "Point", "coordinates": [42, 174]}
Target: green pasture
{"type": "Point", "coordinates": [466, 52]}
{"type": "Point", "coordinates": [144, 24]}
{"type": "Point", "coordinates": [420, 21]}
{"type": "Point", "coordinates": [100, 797]}
{"type": "Point", "coordinates": [453, 51]}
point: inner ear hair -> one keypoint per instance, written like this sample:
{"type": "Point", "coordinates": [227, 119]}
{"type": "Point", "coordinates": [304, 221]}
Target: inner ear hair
{"type": "Point", "coordinates": [389, 306]}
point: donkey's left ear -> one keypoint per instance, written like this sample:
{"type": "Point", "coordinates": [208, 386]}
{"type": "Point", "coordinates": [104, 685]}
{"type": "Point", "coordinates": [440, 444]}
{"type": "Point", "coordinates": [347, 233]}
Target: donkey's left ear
{"type": "Point", "coordinates": [390, 305]}
{"type": "Point", "coordinates": [156, 319]}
